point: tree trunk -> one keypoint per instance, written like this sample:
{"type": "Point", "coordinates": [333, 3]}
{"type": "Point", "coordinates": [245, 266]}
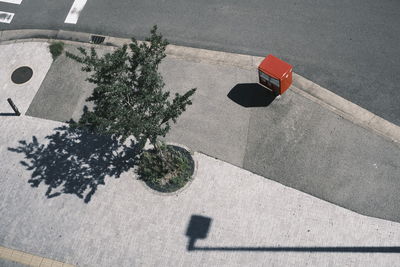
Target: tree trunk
{"type": "Point", "coordinates": [160, 153]}
{"type": "Point", "coordinates": [139, 146]}
{"type": "Point", "coordinates": [158, 149]}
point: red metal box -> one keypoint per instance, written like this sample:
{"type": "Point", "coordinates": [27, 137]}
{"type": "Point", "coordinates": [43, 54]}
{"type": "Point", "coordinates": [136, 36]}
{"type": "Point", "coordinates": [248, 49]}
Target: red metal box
{"type": "Point", "coordinates": [275, 74]}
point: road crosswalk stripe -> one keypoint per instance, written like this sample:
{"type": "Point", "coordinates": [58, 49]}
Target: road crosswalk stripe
{"type": "Point", "coordinates": [73, 15]}
{"type": "Point", "coordinates": [6, 17]}
{"type": "Point", "coordinates": [17, 2]}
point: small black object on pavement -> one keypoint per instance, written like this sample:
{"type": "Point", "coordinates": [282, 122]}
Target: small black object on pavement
{"type": "Point", "coordinates": [13, 106]}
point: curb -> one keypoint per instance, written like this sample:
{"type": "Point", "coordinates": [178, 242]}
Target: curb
{"type": "Point", "coordinates": [301, 85]}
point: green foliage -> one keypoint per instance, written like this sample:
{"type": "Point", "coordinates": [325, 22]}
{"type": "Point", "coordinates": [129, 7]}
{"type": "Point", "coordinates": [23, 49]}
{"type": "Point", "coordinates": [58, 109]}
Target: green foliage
{"type": "Point", "coordinates": [166, 170]}
{"type": "Point", "coordinates": [128, 96]}
{"type": "Point", "coordinates": [56, 49]}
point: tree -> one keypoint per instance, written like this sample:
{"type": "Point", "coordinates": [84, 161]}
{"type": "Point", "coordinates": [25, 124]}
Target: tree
{"type": "Point", "coordinates": [128, 97]}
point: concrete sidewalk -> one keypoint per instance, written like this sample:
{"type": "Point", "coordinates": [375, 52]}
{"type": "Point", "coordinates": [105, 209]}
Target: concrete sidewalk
{"type": "Point", "coordinates": [293, 140]}
{"type": "Point", "coordinates": [254, 221]}
{"type": "Point", "coordinates": [34, 55]}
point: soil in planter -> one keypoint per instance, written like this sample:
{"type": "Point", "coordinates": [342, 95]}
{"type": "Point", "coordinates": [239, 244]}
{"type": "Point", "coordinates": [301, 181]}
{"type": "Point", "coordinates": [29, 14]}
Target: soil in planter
{"type": "Point", "coordinates": [169, 179]}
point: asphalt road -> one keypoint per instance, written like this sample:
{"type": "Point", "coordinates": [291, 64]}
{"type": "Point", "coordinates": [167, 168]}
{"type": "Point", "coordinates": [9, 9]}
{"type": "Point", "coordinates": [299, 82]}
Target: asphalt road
{"type": "Point", "coordinates": [349, 47]}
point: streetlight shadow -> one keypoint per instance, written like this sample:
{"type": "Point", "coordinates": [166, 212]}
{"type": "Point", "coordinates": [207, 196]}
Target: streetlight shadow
{"type": "Point", "coordinates": [7, 114]}
{"type": "Point", "coordinates": [199, 226]}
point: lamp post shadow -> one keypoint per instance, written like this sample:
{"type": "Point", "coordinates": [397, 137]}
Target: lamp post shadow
{"type": "Point", "coordinates": [199, 226]}
{"type": "Point", "coordinates": [8, 115]}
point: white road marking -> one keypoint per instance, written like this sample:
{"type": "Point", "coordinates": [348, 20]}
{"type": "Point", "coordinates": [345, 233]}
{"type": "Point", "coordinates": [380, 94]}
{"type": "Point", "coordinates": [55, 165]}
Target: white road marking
{"type": "Point", "coordinates": [17, 2]}
{"type": "Point", "coordinates": [75, 10]}
{"type": "Point", "coordinates": [6, 17]}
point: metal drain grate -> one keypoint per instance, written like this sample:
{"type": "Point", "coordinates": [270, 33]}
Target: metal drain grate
{"type": "Point", "coordinates": [97, 39]}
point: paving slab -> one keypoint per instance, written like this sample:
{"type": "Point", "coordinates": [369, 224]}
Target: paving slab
{"type": "Point", "coordinates": [316, 151]}
{"type": "Point", "coordinates": [59, 94]}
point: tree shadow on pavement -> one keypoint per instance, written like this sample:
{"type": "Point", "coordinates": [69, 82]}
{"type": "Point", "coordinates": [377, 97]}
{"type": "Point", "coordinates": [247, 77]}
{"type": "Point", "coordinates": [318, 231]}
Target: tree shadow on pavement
{"type": "Point", "coordinates": [74, 161]}
{"type": "Point", "coordinates": [251, 95]}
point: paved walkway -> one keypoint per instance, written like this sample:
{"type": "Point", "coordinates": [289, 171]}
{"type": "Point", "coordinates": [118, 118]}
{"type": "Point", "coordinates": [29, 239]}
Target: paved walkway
{"type": "Point", "coordinates": [126, 224]}
{"type": "Point", "coordinates": [240, 218]}
{"type": "Point", "coordinates": [294, 140]}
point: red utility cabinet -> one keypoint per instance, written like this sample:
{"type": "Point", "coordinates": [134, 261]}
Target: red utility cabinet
{"type": "Point", "coordinates": [275, 74]}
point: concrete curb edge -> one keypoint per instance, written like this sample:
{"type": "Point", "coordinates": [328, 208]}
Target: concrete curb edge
{"type": "Point", "coordinates": [301, 85]}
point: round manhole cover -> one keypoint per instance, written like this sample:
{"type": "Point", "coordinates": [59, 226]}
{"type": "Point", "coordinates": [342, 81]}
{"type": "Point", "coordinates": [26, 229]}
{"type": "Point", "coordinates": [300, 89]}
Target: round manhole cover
{"type": "Point", "coordinates": [22, 75]}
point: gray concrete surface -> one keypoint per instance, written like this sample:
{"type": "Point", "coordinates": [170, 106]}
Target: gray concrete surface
{"type": "Point", "coordinates": [19, 55]}
{"type": "Point", "coordinates": [293, 140]}
{"type": "Point", "coordinates": [61, 94]}
{"type": "Point", "coordinates": [350, 48]}
{"type": "Point", "coordinates": [314, 150]}
{"type": "Point", "coordinates": [301, 85]}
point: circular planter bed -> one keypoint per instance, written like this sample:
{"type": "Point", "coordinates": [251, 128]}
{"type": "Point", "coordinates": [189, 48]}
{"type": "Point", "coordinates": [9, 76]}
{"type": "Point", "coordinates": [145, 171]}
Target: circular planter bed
{"type": "Point", "coordinates": [166, 172]}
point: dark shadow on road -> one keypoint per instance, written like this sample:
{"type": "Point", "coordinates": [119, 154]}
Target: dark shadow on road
{"type": "Point", "coordinates": [251, 95]}
{"type": "Point", "coordinates": [74, 161]}
{"type": "Point", "coordinates": [199, 226]}
{"type": "Point", "coordinates": [8, 114]}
